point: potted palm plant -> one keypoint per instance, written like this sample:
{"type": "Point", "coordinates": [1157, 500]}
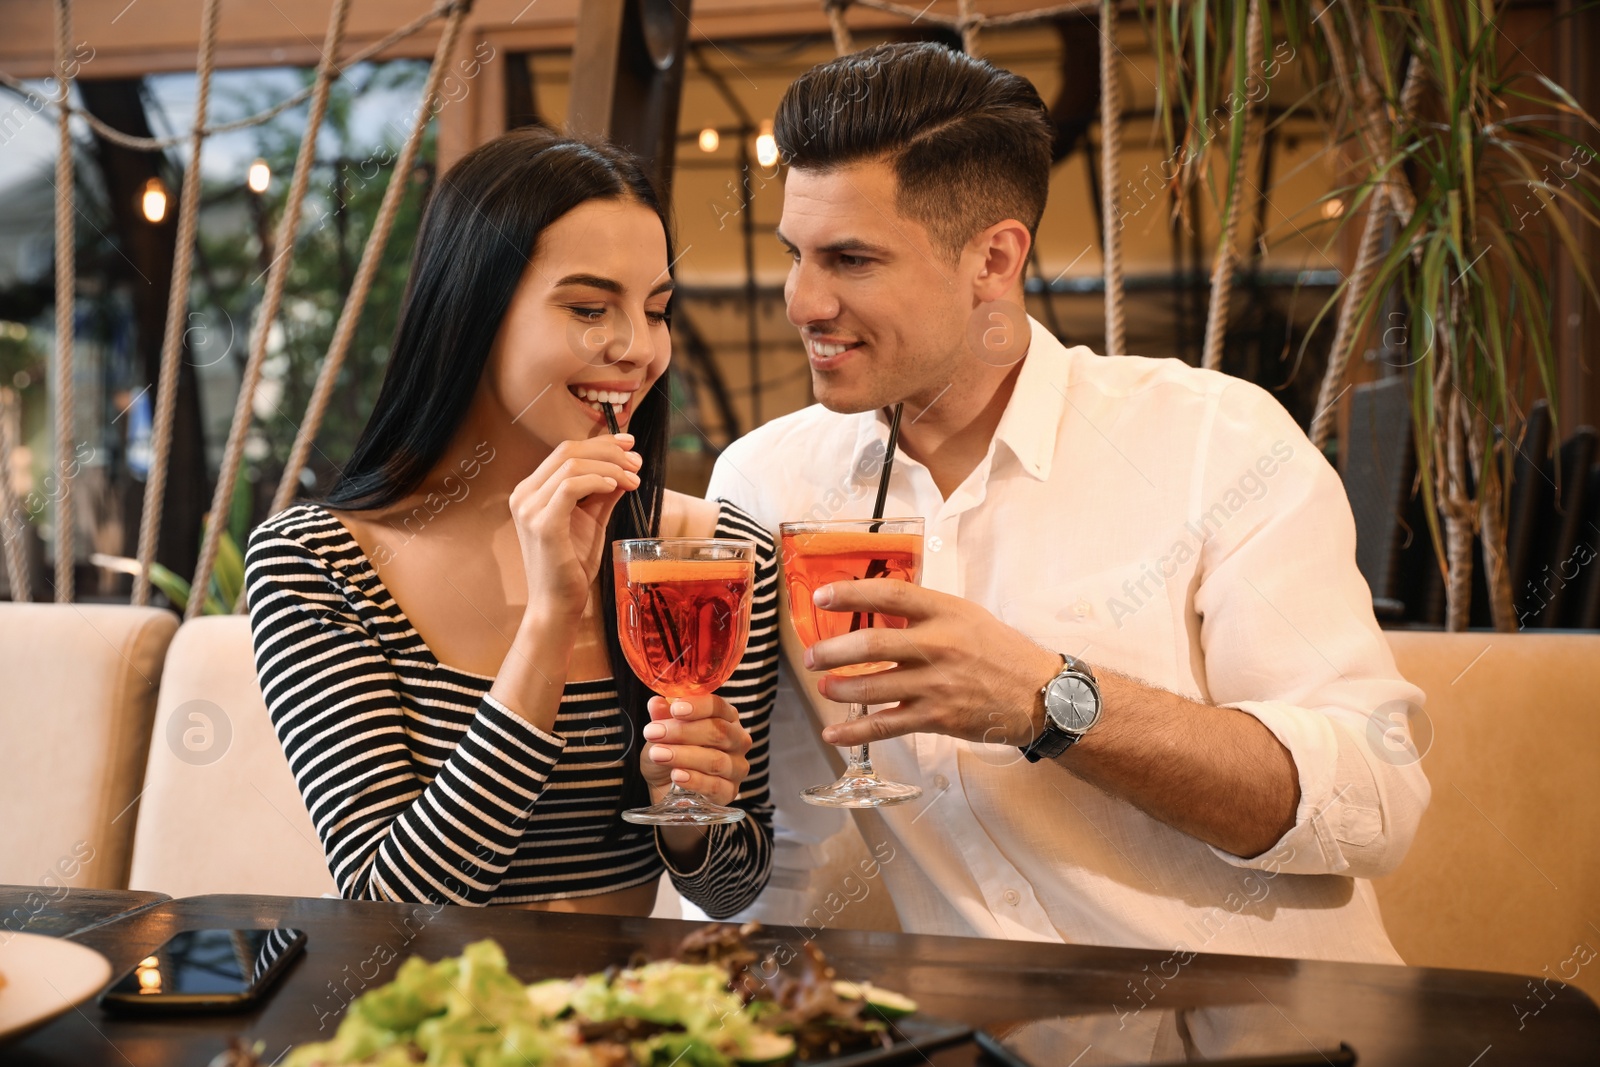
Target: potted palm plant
{"type": "Point", "coordinates": [1468, 173]}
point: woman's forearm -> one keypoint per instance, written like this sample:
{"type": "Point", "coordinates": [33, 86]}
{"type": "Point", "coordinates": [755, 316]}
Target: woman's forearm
{"type": "Point", "coordinates": [730, 866]}
{"type": "Point", "coordinates": [533, 675]}
{"type": "Point", "coordinates": [685, 846]}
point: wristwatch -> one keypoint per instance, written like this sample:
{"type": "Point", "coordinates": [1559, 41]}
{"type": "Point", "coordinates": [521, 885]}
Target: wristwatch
{"type": "Point", "coordinates": [1071, 708]}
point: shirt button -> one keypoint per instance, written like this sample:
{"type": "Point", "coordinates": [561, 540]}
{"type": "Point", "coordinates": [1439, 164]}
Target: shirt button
{"type": "Point", "coordinates": [935, 543]}
{"type": "Point", "coordinates": [941, 782]}
{"type": "Point", "coordinates": [1013, 897]}
{"type": "Point", "coordinates": [1082, 609]}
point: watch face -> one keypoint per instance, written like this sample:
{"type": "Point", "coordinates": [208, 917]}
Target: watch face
{"type": "Point", "coordinates": [1073, 704]}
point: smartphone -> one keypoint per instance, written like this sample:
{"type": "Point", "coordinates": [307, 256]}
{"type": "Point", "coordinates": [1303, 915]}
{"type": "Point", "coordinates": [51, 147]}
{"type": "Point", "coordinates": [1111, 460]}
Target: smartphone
{"type": "Point", "coordinates": [206, 970]}
{"type": "Point", "coordinates": [1230, 1035]}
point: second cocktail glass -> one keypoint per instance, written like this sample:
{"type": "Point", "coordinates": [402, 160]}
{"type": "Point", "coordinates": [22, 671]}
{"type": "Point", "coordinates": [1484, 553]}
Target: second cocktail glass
{"type": "Point", "coordinates": [683, 615]}
{"type": "Point", "coordinates": [819, 553]}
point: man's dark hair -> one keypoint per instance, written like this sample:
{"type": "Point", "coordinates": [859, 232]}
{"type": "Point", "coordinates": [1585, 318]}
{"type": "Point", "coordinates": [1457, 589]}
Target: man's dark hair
{"type": "Point", "coordinates": [969, 143]}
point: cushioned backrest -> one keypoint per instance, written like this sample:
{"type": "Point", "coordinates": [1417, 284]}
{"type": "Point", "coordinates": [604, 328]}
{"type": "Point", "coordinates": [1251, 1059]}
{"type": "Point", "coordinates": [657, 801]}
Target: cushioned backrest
{"type": "Point", "coordinates": [1504, 874]}
{"type": "Point", "coordinates": [78, 686]}
{"type": "Point", "coordinates": [220, 812]}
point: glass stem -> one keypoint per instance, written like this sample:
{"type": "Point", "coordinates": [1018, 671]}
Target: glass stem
{"type": "Point", "coordinates": [860, 761]}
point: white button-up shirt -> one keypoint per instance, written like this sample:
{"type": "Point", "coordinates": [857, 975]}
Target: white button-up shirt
{"type": "Point", "coordinates": [1174, 525]}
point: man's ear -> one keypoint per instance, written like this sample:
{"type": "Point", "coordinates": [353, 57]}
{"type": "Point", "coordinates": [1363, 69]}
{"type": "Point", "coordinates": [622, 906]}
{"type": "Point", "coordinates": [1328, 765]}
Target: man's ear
{"type": "Point", "coordinates": [1004, 251]}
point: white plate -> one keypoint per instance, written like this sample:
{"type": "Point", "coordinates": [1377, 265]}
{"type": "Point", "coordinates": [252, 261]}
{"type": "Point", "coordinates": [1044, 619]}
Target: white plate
{"type": "Point", "coordinates": [45, 976]}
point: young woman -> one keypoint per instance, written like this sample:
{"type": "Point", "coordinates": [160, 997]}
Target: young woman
{"type": "Point", "coordinates": [437, 641]}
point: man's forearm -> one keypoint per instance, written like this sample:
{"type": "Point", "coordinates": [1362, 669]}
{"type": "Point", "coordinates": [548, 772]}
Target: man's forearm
{"type": "Point", "coordinates": [1216, 773]}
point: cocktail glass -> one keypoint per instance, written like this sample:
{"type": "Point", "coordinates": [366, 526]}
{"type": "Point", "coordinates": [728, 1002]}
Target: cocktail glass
{"type": "Point", "coordinates": [819, 553]}
{"type": "Point", "coordinates": [683, 614]}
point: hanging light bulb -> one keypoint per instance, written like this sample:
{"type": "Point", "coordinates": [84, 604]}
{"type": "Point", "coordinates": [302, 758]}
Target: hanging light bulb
{"type": "Point", "coordinates": [259, 176]}
{"type": "Point", "coordinates": [709, 139]}
{"type": "Point", "coordinates": [154, 200]}
{"type": "Point", "coordinates": [766, 145]}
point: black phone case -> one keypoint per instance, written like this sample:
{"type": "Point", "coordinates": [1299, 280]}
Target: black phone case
{"type": "Point", "coordinates": [200, 1003]}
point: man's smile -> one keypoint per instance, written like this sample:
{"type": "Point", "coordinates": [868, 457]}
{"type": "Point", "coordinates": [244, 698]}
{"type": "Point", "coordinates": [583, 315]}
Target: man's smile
{"type": "Point", "coordinates": [827, 353]}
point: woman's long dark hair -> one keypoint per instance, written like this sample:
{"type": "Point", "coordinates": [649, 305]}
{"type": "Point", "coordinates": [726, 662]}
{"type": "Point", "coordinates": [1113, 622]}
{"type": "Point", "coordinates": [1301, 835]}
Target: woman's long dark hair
{"type": "Point", "coordinates": [478, 236]}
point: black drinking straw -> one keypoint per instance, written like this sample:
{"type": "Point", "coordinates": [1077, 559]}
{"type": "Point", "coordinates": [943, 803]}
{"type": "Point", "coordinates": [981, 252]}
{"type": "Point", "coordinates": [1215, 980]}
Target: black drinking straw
{"type": "Point", "coordinates": [879, 567]}
{"type": "Point", "coordinates": [669, 632]}
{"type": "Point", "coordinates": [633, 498]}
{"type": "Point", "coordinates": [888, 465]}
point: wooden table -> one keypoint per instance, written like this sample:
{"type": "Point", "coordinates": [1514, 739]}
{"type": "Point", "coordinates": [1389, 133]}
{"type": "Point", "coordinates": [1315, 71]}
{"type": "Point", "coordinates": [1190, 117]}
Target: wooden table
{"type": "Point", "coordinates": [1390, 1015]}
{"type": "Point", "coordinates": [63, 912]}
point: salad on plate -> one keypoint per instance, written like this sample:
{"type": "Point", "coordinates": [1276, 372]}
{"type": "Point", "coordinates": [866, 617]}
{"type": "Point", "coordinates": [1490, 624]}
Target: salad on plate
{"type": "Point", "coordinates": [716, 1003]}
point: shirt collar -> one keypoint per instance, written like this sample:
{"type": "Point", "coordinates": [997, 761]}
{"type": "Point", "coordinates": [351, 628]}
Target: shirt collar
{"type": "Point", "coordinates": [1030, 425]}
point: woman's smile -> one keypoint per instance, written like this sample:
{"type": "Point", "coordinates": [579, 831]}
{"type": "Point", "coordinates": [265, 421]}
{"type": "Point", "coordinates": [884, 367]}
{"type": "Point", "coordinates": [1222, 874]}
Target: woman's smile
{"type": "Point", "coordinates": [619, 394]}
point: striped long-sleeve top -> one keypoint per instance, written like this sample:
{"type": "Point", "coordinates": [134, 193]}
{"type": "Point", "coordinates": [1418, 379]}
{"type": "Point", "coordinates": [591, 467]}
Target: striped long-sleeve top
{"type": "Point", "coordinates": [425, 788]}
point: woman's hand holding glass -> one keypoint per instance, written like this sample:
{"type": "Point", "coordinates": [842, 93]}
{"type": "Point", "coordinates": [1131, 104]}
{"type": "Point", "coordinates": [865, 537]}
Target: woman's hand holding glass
{"type": "Point", "coordinates": [561, 511]}
{"type": "Point", "coordinates": [697, 743]}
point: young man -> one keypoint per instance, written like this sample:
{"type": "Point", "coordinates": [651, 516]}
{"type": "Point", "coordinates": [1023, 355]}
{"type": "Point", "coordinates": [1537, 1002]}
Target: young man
{"type": "Point", "coordinates": [1142, 686]}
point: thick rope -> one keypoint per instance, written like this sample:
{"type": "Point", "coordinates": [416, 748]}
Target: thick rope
{"type": "Point", "coordinates": [155, 486]}
{"type": "Point", "coordinates": [371, 255]}
{"type": "Point", "coordinates": [843, 43]}
{"type": "Point", "coordinates": [1222, 264]}
{"type": "Point", "coordinates": [13, 524]}
{"type": "Point", "coordinates": [1368, 254]}
{"type": "Point", "coordinates": [1373, 125]}
{"type": "Point", "coordinates": [1111, 177]}
{"type": "Point", "coordinates": [1393, 195]}
{"type": "Point", "coordinates": [267, 313]}
{"type": "Point", "coordinates": [1019, 18]}
{"type": "Point", "coordinates": [1042, 14]}
{"type": "Point", "coordinates": [66, 291]}
{"type": "Point", "coordinates": [969, 23]}
{"type": "Point", "coordinates": [907, 11]}
{"type": "Point", "coordinates": [146, 144]}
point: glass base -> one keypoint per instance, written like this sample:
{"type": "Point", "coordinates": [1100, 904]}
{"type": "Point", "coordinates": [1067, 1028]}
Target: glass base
{"type": "Point", "coordinates": [860, 791]}
{"type": "Point", "coordinates": [682, 808]}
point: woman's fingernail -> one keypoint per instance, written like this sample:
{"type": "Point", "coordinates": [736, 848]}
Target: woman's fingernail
{"type": "Point", "coordinates": [655, 731]}
{"type": "Point", "coordinates": [809, 660]}
{"type": "Point", "coordinates": [681, 708]}
{"type": "Point", "coordinates": [633, 459]}
{"type": "Point", "coordinates": [625, 439]}
{"type": "Point", "coordinates": [611, 483]}
{"type": "Point", "coordinates": [660, 753]}
{"type": "Point", "coordinates": [831, 736]}
{"type": "Point", "coordinates": [822, 597]}
{"type": "Point", "coordinates": [680, 775]}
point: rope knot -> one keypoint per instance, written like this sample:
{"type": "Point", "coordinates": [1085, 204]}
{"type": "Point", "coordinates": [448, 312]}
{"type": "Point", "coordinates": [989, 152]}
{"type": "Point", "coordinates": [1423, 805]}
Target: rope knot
{"type": "Point", "coordinates": [843, 43]}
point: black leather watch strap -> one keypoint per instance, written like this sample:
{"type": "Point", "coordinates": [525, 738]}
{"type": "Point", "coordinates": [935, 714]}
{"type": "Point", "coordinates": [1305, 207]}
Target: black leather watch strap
{"type": "Point", "coordinates": [1052, 740]}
